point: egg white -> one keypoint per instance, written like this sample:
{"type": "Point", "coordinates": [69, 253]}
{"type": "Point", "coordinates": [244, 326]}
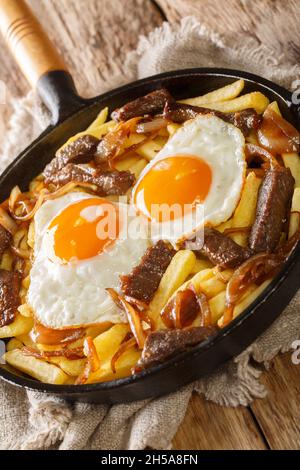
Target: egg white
{"type": "Point", "coordinates": [72, 294]}
{"type": "Point", "coordinates": [221, 145]}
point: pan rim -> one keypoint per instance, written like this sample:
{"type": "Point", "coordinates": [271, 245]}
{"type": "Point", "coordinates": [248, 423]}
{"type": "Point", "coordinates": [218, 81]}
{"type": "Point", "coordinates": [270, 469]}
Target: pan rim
{"type": "Point", "coordinates": [73, 390]}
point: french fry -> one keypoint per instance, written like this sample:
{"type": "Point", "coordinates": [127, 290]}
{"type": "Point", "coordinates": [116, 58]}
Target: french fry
{"type": "Point", "coordinates": [149, 149]}
{"type": "Point", "coordinates": [40, 370]}
{"type": "Point", "coordinates": [96, 132]}
{"type": "Point", "coordinates": [200, 265]}
{"type": "Point", "coordinates": [123, 367]}
{"type": "Point", "coordinates": [244, 214]}
{"type": "Point", "coordinates": [124, 164]}
{"type": "Point", "coordinates": [224, 225]}
{"type": "Point", "coordinates": [30, 238]}
{"type": "Point", "coordinates": [72, 367]}
{"type": "Point", "coordinates": [217, 305]}
{"type": "Point", "coordinates": [227, 92]}
{"type": "Point", "coordinates": [133, 139]}
{"type": "Point", "coordinates": [13, 343]}
{"type": "Point", "coordinates": [25, 310]}
{"type": "Point", "coordinates": [292, 161]}
{"type": "Point", "coordinates": [172, 128]}
{"type": "Point", "coordinates": [100, 119]}
{"type": "Point", "coordinates": [274, 107]}
{"type": "Point", "coordinates": [19, 326]}
{"type": "Point", "coordinates": [6, 261]}
{"type": "Point", "coordinates": [294, 219]}
{"type": "Point", "coordinates": [108, 343]}
{"type": "Point", "coordinates": [255, 100]}
{"type": "Point", "coordinates": [175, 274]}
{"type": "Point", "coordinates": [138, 167]}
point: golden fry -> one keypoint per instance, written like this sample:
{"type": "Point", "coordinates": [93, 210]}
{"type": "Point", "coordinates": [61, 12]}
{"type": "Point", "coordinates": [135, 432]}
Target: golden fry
{"type": "Point", "coordinates": [255, 100]}
{"type": "Point", "coordinates": [228, 92]}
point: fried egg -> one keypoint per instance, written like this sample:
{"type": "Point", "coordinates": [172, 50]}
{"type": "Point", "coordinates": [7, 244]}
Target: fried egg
{"type": "Point", "coordinates": [81, 248]}
{"type": "Point", "coordinates": [195, 180]}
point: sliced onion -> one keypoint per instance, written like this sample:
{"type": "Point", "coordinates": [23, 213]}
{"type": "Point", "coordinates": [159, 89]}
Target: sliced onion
{"type": "Point", "coordinates": [152, 125]}
{"type": "Point", "coordinates": [253, 150]}
{"type": "Point", "coordinates": [277, 134]}
{"type": "Point", "coordinates": [72, 354]}
{"type": "Point", "coordinates": [122, 349]}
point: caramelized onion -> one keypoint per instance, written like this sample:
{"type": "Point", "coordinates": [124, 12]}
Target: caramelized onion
{"type": "Point", "coordinates": [277, 134]}
{"type": "Point", "coordinates": [93, 362]}
{"type": "Point", "coordinates": [122, 349]}
{"type": "Point", "coordinates": [152, 125]}
{"type": "Point", "coordinates": [7, 222]}
{"type": "Point", "coordinates": [49, 336]}
{"type": "Point", "coordinates": [133, 317]}
{"type": "Point", "coordinates": [229, 230]}
{"type": "Point", "coordinates": [72, 354]}
{"type": "Point", "coordinates": [253, 151]}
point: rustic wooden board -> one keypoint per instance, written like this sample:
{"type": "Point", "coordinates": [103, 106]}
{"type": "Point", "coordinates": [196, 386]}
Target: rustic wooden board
{"type": "Point", "coordinates": [273, 22]}
{"type": "Point", "coordinates": [207, 426]}
{"type": "Point", "coordinates": [94, 42]}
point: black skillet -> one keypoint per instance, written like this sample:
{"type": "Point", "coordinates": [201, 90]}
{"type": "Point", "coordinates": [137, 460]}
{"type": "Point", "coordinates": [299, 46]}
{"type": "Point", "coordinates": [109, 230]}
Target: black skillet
{"type": "Point", "coordinates": [71, 114]}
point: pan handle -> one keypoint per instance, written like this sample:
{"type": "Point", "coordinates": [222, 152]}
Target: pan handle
{"type": "Point", "coordinates": [38, 59]}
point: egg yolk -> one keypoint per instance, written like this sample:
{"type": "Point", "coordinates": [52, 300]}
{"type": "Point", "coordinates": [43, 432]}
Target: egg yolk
{"type": "Point", "coordinates": [85, 229]}
{"type": "Point", "coordinates": [180, 182]}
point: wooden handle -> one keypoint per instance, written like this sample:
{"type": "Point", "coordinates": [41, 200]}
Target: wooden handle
{"type": "Point", "coordinates": [29, 44]}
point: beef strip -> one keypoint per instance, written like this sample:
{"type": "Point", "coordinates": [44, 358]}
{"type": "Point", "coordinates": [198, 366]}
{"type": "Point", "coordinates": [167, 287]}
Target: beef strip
{"type": "Point", "coordinates": [9, 296]}
{"type": "Point", "coordinates": [163, 344]}
{"type": "Point", "coordinates": [220, 249]}
{"type": "Point", "coordinates": [5, 239]}
{"type": "Point", "coordinates": [273, 202]}
{"type": "Point", "coordinates": [144, 279]}
{"type": "Point", "coordinates": [152, 103]}
{"type": "Point", "coordinates": [81, 150]}
{"type": "Point", "coordinates": [108, 183]}
{"type": "Point", "coordinates": [245, 120]}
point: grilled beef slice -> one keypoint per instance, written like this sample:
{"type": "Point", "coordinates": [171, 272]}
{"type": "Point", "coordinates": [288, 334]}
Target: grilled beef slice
{"type": "Point", "coordinates": [81, 150]}
{"type": "Point", "coordinates": [245, 120]}
{"type": "Point", "coordinates": [9, 296]}
{"type": "Point", "coordinates": [152, 103]}
{"type": "Point", "coordinates": [163, 344]}
{"type": "Point", "coordinates": [5, 239]}
{"type": "Point", "coordinates": [144, 279]}
{"type": "Point", "coordinates": [108, 183]}
{"type": "Point", "coordinates": [220, 249]}
{"type": "Point", "coordinates": [273, 202]}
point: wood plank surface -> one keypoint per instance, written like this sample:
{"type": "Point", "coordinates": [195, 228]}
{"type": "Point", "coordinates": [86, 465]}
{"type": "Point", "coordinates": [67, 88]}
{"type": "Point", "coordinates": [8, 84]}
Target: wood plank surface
{"type": "Point", "coordinates": [94, 37]}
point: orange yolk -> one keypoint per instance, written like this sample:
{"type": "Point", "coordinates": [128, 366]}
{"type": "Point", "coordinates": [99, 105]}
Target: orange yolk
{"type": "Point", "coordinates": [85, 229]}
{"type": "Point", "coordinates": [182, 181]}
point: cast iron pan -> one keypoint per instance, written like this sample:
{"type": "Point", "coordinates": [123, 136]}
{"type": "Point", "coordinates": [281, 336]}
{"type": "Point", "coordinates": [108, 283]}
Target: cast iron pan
{"type": "Point", "coordinates": [70, 114]}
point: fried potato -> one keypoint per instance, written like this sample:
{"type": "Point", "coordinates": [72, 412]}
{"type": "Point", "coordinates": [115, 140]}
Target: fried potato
{"type": "Point", "coordinates": [292, 161]}
{"type": "Point", "coordinates": [19, 326]}
{"type": "Point", "coordinates": [149, 149]}
{"type": "Point", "coordinates": [25, 310]}
{"type": "Point", "coordinates": [133, 139]}
{"type": "Point", "coordinates": [31, 234]}
{"type": "Point", "coordinates": [108, 343]}
{"type": "Point", "coordinates": [40, 370]}
{"type": "Point", "coordinates": [200, 265]}
{"type": "Point", "coordinates": [224, 225]}
{"type": "Point", "coordinates": [13, 343]}
{"type": "Point", "coordinates": [227, 92]}
{"type": "Point", "coordinates": [217, 305]}
{"type": "Point", "coordinates": [6, 261]}
{"type": "Point", "coordinates": [98, 132]}
{"type": "Point", "coordinates": [138, 167]}
{"type": "Point", "coordinates": [124, 164]}
{"type": "Point", "coordinates": [255, 100]}
{"type": "Point", "coordinates": [72, 367]}
{"type": "Point", "coordinates": [100, 119]}
{"type": "Point", "coordinates": [244, 214]}
{"type": "Point", "coordinates": [123, 367]}
{"type": "Point", "coordinates": [274, 107]}
{"type": "Point", "coordinates": [295, 219]}
{"type": "Point", "coordinates": [172, 128]}
{"type": "Point", "coordinates": [27, 341]}
{"type": "Point", "coordinates": [250, 295]}
{"type": "Point", "coordinates": [176, 273]}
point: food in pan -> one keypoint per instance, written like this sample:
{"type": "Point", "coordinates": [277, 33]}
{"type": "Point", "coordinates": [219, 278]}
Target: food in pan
{"type": "Point", "coordinates": [146, 234]}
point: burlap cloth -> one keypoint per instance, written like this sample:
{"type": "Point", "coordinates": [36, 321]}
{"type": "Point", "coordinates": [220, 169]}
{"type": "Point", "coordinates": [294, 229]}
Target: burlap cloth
{"type": "Point", "coordinates": [30, 420]}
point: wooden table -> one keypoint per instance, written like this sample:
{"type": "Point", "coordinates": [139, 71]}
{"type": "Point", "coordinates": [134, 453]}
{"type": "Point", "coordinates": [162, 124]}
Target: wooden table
{"type": "Point", "coordinates": [94, 37]}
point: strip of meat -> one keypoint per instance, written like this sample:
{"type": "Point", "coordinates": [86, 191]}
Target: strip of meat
{"type": "Point", "coordinates": [5, 239]}
{"type": "Point", "coordinates": [163, 344]}
{"type": "Point", "coordinates": [81, 150]}
{"type": "Point", "coordinates": [273, 202]}
{"type": "Point", "coordinates": [220, 249]}
{"type": "Point", "coordinates": [108, 183]}
{"type": "Point", "coordinates": [152, 103]}
{"type": "Point", "coordinates": [9, 296]}
{"type": "Point", "coordinates": [245, 120]}
{"type": "Point", "coordinates": [144, 279]}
